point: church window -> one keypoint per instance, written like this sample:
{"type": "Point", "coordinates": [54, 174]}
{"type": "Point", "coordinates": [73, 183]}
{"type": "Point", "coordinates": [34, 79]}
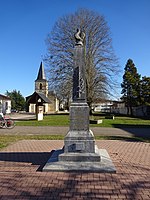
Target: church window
{"type": "Point", "coordinates": [40, 86]}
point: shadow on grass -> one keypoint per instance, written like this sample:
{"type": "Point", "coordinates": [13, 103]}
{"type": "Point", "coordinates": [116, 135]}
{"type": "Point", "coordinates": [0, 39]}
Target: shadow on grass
{"type": "Point", "coordinates": [131, 126]}
{"type": "Point", "coordinates": [136, 131]}
{"type": "Point", "coordinates": [127, 139]}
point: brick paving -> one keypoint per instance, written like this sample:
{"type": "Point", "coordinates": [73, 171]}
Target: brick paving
{"type": "Point", "coordinates": [21, 176]}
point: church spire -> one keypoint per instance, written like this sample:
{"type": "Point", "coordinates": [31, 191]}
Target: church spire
{"type": "Point", "coordinates": [41, 73]}
{"type": "Point", "coordinates": [41, 84]}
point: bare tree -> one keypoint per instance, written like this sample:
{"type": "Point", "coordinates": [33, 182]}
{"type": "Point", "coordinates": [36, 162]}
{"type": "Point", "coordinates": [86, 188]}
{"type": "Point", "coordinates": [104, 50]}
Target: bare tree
{"type": "Point", "coordinates": [100, 61]}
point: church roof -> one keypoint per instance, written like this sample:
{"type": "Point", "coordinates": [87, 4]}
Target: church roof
{"type": "Point", "coordinates": [35, 96]}
{"type": "Point", "coordinates": [41, 73]}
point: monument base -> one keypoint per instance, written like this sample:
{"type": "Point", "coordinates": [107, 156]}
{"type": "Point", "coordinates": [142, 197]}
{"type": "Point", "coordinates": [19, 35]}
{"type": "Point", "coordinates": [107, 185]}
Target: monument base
{"type": "Point", "coordinates": [105, 165]}
{"type": "Point", "coordinates": [79, 141]}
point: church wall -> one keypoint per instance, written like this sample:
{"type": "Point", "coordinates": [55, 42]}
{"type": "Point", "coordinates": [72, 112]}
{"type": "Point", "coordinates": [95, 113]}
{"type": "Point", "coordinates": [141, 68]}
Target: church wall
{"type": "Point", "coordinates": [46, 108]}
{"type": "Point", "coordinates": [53, 107]}
{"type": "Point", "coordinates": [32, 108]}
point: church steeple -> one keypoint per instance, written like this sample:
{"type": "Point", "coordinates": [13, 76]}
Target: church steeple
{"type": "Point", "coordinates": [41, 84]}
{"type": "Point", "coordinates": [41, 73]}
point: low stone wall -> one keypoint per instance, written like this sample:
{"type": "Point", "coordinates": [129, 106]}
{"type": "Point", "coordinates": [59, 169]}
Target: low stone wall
{"type": "Point", "coordinates": [142, 111]}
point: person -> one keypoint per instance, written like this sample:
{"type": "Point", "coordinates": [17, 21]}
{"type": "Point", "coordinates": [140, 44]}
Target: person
{"type": "Point", "coordinates": [1, 120]}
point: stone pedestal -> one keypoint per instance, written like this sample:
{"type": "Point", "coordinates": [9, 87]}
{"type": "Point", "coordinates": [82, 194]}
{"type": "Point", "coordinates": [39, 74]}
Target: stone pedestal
{"type": "Point", "coordinates": [104, 166]}
{"type": "Point", "coordinates": [79, 143]}
{"type": "Point", "coordinates": [79, 137]}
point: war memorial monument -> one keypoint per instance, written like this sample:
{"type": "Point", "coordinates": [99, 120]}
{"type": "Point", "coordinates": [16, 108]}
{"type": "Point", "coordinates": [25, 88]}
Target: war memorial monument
{"type": "Point", "coordinates": [79, 152]}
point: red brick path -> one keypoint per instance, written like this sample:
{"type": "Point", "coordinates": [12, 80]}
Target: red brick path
{"type": "Point", "coordinates": [21, 176]}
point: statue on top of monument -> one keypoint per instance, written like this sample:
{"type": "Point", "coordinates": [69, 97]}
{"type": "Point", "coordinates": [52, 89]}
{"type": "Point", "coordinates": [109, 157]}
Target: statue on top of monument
{"type": "Point", "coordinates": [79, 36]}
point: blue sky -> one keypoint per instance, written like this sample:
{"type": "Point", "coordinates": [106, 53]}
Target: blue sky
{"type": "Point", "coordinates": [24, 25]}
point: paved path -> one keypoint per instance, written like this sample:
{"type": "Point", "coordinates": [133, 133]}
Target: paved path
{"type": "Point", "coordinates": [53, 130]}
{"type": "Point", "coordinates": [21, 176]}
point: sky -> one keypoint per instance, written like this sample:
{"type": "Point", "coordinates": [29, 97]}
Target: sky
{"type": "Point", "coordinates": [25, 24]}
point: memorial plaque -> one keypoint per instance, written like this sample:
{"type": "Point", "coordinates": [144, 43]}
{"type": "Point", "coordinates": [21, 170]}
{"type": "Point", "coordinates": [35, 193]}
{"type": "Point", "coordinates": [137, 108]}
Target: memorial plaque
{"type": "Point", "coordinates": [80, 146]}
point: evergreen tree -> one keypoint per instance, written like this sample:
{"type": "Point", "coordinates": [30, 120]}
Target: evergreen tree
{"type": "Point", "coordinates": [145, 91]}
{"type": "Point", "coordinates": [17, 100]}
{"type": "Point", "coordinates": [131, 86]}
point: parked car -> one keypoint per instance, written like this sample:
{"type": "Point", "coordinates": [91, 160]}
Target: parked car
{"type": "Point", "coordinates": [14, 111]}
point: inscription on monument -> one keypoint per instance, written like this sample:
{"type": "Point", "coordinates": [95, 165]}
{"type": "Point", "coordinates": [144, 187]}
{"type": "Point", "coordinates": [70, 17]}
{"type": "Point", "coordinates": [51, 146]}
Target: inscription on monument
{"type": "Point", "coordinates": [76, 82]}
{"type": "Point", "coordinates": [79, 117]}
{"type": "Point", "coordinates": [80, 146]}
{"type": "Point", "coordinates": [79, 89]}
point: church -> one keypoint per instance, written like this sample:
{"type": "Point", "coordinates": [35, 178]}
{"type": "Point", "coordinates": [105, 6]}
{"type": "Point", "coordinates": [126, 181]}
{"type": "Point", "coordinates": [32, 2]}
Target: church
{"type": "Point", "coordinates": [42, 95]}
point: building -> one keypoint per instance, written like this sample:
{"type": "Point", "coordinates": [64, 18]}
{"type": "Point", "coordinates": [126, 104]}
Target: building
{"type": "Point", "coordinates": [5, 104]}
{"type": "Point", "coordinates": [119, 107]}
{"type": "Point", "coordinates": [42, 95]}
{"type": "Point", "coordinates": [102, 105]}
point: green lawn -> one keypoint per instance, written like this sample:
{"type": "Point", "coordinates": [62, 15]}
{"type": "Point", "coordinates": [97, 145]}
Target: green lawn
{"type": "Point", "coordinates": [63, 120]}
{"type": "Point", "coordinates": [123, 122]}
{"type": "Point", "coordinates": [49, 120]}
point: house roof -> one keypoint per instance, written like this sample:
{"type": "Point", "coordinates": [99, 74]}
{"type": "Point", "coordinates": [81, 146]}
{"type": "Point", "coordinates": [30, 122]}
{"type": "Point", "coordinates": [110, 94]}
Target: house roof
{"type": "Point", "coordinates": [36, 96]}
{"type": "Point", "coordinates": [103, 101]}
{"type": "Point", "coordinates": [3, 97]}
{"type": "Point", "coordinates": [41, 73]}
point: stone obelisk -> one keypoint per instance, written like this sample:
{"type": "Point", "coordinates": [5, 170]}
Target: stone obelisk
{"type": "Point", "coordinates": [80, 140]}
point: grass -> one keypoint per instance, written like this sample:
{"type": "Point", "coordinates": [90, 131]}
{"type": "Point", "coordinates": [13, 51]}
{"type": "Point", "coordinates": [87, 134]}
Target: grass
{"type": "Point", "coordinates": [123, 122]}
{"type": "Point", "coordinates": [49, 120]}
{"type": "Point", "coordinates": [6, 140]}
{"type": "Point", "coordinates": [63, 120]}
